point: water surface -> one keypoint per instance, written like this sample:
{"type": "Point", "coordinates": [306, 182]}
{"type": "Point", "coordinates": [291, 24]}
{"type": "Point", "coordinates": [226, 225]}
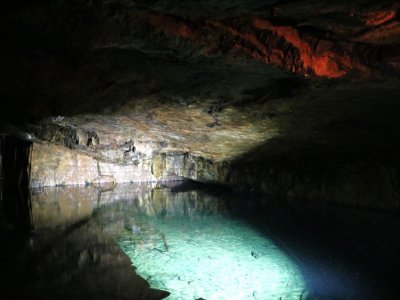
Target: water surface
{"type": "Point", "coordinates": [151, 241]}
{"type": "Point", "coordinates": [191, 245]}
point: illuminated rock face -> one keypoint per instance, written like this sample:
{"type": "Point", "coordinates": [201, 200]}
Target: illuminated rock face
{"type": "Point", "coordinates": [170, 142]}
{"type": "Point", "coordinates": [53, 165]}
{"type": "Point", "coordinates": [57, 165]}
{"type": "Point", "coordinates": [294, 98]}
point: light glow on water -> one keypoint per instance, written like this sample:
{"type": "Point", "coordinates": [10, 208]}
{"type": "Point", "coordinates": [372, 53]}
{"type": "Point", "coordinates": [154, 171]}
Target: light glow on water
{"type": "Point", "coordinates": [209, 256]}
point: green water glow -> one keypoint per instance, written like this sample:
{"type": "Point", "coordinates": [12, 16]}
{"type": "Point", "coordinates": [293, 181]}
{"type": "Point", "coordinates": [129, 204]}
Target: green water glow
{"type": "Point", "coordinates": [209, 256]}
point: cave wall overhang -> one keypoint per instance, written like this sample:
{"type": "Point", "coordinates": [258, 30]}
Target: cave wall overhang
{"type": "Point", "coordinates": [255, 95]}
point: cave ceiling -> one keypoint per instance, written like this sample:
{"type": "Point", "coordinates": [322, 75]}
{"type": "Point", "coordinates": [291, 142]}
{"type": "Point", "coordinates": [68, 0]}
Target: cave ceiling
{"type": "Point", "coordinates": [220, 79]}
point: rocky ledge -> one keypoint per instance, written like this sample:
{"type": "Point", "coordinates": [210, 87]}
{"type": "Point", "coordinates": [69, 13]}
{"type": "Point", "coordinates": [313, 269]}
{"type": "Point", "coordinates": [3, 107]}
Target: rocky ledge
{"type": "Point", "coordinates": [269, 146]}
{"type": "Point", "coordinates": [294, 98]}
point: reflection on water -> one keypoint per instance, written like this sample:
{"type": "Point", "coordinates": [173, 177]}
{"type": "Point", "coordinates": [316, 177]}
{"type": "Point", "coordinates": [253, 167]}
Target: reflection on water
{"type": "Point", "coordinates": [65, 205]}
{"type": "Point", "coordinates": [185, 242]}
{"type": "Point", "coordinates": [61, 206]}
{"type": "Point", "coordinates": [202, 244]}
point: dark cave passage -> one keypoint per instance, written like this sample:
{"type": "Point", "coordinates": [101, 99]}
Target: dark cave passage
{"type": "Point", "coordinates": [14, 187]}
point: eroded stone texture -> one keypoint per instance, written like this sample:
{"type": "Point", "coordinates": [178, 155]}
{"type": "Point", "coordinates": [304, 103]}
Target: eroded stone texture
{"type": "Point", "coordinates": [57, 165]}
{"type": "Point", "coordinates": [366, 185]}
{"type": "Point", "coordinates": [218, 91]}
{"type": "Point", "coordinates": [305, 147]}
{"type": "Point", "coordinates": [53, 165]}
{"type": "Point", "coordinates": [193, 167]}
{"type": "Point", "coordinates": [170, 142]}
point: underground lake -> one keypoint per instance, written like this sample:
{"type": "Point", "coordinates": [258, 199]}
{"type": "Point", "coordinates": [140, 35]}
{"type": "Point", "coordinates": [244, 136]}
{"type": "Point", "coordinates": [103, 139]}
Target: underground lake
{"type": "Point", "coordinates": [200, 150]}
{"type": "Point", "coordinates": [190, 241]}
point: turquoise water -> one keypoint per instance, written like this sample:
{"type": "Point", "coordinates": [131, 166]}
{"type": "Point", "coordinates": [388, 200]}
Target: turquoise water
{"type": "Point", "coordinates": [195, 252]}
{"type": "Point", "coordinates": [197, 242]}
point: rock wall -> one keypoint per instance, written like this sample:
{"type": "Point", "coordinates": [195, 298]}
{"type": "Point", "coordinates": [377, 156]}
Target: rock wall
{"type": "Point", "coordinates": [372, 185]}
{"type": "Point", "coordinates": [53, 165]}
{"type": "Point", "coordinates": [363, 184]}
{"type": "Point", "coordinates": [189, 166]}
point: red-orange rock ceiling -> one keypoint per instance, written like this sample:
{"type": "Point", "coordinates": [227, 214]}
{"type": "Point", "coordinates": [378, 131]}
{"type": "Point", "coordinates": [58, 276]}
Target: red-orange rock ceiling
{"type": "Point", "coordinates": [297, 48]}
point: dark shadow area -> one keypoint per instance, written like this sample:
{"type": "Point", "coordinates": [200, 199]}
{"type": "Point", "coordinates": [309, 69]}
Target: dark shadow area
{"type": "Point", "coordinates": [336, 144]}
{"type": "Point", "coordinates": [14, 193]}
{"type": "Point", "coordinates": [54, 64]}
{"type": "Point", "coordinates": [343, 253]}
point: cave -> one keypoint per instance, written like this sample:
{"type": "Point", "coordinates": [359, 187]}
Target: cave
{"type": "Point", "coordinates": [163, 149]}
